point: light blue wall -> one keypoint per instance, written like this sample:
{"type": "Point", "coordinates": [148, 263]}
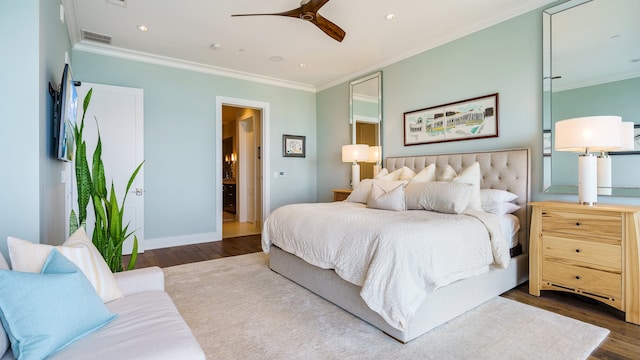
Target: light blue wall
{"type": "Point", "coordinates": [181, 186]}
{"type": "Point", "coordinates": [505, 58]}
{"type": "Point", "coordinates": [32, 39]}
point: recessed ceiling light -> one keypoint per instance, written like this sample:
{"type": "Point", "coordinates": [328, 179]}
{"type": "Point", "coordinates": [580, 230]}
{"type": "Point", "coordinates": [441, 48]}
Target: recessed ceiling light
{"type": "Point", "coordinates": [216, 46]}
{"type": "Point", "coordinates": [302, 65]}
{"type": "Point", "coordinates": [143, 28]}
{"type": "Point", "coordinates": [276, 58]}
{"type": "Point", "coordinates": [390, 17]}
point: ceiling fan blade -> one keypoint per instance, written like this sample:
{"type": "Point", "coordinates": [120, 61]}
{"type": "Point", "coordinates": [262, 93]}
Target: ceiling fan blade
{"type": "Point", "coordinates": [313, 5]}
{"type": "Point", "coordinates": [291, 13]}
{"type": "Point", "coordinates": [329, 28]}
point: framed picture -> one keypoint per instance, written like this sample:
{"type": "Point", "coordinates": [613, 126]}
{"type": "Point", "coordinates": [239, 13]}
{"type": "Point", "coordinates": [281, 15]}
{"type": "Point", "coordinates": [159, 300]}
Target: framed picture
{"type": "Point", "coordinates": [546, 142]}
{"type": "Point", "coordinates": [636, 143]}
{"type": "Point", "coordinates": [462, 120]}
{"type": "Point", "coordinates": [293, 146]}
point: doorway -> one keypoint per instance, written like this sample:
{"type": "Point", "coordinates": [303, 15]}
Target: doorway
{"type": "Point", "coordinates": [242, 169]}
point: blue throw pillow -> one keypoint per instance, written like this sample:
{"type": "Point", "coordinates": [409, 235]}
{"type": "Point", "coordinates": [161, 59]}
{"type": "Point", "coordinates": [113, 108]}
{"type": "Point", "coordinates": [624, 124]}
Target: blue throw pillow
{"type": "Point", "coordinates": [43, 313]}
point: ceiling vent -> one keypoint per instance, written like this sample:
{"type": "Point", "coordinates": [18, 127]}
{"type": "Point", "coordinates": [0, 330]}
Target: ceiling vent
{"type": "Point", "coordinates": [88, 35]}
{"type": "Point", "coordinates": [122, 3]}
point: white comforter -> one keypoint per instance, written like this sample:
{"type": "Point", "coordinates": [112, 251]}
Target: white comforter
{"type": "Point", "coordinates": [397, 257]}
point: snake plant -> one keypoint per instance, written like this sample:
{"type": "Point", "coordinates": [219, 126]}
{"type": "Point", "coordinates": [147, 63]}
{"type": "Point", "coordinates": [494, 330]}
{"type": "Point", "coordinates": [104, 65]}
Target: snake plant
{"type": "Point", "coordinates": [108, 233]}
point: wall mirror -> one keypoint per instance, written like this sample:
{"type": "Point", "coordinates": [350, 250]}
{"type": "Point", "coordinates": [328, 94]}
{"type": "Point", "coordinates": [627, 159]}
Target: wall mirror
{"type": "Point", "coordinates": [591, 66]}
{"type": "Point", "coordinates": [365, 102]}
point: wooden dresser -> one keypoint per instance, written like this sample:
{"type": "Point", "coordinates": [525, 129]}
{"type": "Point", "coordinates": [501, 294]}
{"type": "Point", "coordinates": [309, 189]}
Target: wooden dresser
{"type": "Point", "coordinates": [587, 250]}
{"type": "Point", "coordinates": [341, 195]}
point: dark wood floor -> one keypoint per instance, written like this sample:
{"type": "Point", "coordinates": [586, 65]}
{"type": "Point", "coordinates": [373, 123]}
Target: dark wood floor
{"type": "Point", "coordinates": [622, 343]}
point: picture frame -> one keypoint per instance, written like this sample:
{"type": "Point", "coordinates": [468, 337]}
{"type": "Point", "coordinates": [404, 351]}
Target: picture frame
{"type": "Point", "coordinates": [636, 143]}
{"type": "Point", "coordinates": [474, 118]}
{"type": "Point", "coordinates": [294, 146]}
{"type": "Point", "coordinates": [546, 142]}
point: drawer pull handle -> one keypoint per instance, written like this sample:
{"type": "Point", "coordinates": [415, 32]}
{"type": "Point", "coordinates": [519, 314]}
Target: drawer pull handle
{"type": "Point", "coordinates": [577, 250]}
{"type": "Point", "coordinates": [577, 223]}
{"type": "Point", "coordinates": [577, 277]}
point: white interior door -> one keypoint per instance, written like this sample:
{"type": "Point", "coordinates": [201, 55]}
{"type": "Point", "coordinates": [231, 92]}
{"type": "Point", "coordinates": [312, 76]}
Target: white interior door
{"type": "Point", "coordinates": [120, 118]}
{"type": "Point", "coordinates": [246, 179]}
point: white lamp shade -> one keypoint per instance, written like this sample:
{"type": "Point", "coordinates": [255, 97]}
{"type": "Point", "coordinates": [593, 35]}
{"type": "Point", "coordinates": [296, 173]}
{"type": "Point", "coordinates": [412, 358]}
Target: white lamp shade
{"type": "Point", "coordinates": [591, 133]}
{"type": "Point", "coordinates": [375, 153]}
{"type": "Point", "coordinates": [355, 152]}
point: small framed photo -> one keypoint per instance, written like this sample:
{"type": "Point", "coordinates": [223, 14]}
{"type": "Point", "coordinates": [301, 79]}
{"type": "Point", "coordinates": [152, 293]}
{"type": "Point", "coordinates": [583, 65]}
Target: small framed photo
{"type": "Point", "coordinates": [293, 146]}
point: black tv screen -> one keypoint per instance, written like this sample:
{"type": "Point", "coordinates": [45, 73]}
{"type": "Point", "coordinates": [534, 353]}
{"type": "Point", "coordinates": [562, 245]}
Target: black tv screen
{"type": "Point", "coordinates": [67, 109]}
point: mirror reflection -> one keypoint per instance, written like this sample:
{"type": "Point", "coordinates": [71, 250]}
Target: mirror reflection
{"type": "Point", "coordinates": [591, 67]}
{"type": "Point", "coordinates": [366, 118]}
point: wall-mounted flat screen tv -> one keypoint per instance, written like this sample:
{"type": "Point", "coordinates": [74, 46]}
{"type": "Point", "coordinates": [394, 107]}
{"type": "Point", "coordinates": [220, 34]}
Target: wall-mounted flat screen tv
{"type": "Point", "coordinates": [66, 109]}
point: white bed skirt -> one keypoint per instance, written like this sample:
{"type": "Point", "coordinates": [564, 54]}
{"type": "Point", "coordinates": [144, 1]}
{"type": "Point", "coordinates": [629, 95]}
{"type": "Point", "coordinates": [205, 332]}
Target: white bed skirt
{"type": "Point", "coordinates": [439, 307]}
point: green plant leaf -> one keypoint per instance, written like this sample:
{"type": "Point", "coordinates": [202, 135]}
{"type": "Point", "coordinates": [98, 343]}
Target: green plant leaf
{"type": "Point", "coordinates": [134, 254]}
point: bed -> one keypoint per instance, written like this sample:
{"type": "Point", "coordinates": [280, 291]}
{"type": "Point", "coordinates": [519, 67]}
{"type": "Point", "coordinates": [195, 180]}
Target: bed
{"type": "Point", "coordinates": [503, 169]}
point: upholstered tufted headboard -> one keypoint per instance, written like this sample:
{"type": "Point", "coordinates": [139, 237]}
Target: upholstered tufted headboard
{"type": "Point", "coordinates": [502, 169]}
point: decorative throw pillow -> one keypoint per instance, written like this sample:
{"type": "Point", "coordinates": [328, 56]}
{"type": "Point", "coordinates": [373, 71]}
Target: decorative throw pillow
{"type": "Point", "coordinates": [387, 195]}
{"type": "Point", "coordinates": [360, 193]}
{"type": "Point", "coordinates": [440, 196]}
{"type": "Point", "coordinates": [392, 176]}
{"type": "Point", "coordinates": [406, 173]}
{"type": "Point", "coordinates": [426, 174]}
{"type": "Point", "coordinates": [43, 313]}
{"type": "Point", "coordinates": [382, 173]}
{"type": "Point", "coordinates": [470, 175]}
{"type": "Point", "coordinates": [29, 257]}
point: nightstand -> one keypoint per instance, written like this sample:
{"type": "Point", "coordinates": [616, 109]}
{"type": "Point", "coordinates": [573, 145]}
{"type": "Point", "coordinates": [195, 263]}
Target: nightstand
{"type": "Point", "coordinates": [341, 195]}
{"type": "Point", "coordinates": [587, 250]}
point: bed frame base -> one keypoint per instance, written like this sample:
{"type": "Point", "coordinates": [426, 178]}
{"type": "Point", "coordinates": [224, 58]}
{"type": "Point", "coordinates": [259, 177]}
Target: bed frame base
{"type": "Point", "coordinates": [439, 307]}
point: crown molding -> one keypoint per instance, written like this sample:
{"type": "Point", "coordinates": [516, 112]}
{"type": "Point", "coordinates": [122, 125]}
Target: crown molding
{"type": "Point", "coordinates": [121, 53]}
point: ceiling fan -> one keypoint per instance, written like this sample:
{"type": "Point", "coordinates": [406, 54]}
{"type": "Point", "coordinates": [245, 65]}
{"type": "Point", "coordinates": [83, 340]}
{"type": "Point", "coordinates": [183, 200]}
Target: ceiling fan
{"type": "Point", "coordinates": [308, 11]}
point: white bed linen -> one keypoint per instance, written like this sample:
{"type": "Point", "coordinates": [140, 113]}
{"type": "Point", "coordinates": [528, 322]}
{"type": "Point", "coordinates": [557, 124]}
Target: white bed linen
{"type": "Point", "coordinates": [510, 226]}
{"type": "Point", "coordinates": [397, 257]}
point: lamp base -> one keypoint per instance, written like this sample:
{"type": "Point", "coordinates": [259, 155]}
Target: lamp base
{"type": "Point", "coordinates": [587, 179]}
{"type": "Point", "coordinates": [355, 175]}
{"type": "Point", "coordinates": [604, 174]}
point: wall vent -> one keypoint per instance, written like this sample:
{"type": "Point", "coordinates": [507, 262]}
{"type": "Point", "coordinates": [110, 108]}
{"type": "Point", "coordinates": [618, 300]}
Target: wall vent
{"type": "Point", "coordinates": [88, 35]}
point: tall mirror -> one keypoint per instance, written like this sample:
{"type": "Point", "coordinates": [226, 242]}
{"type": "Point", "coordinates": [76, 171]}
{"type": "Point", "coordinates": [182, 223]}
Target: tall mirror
{"type": "Point", "coordinates": [365, 103]}
{"type": "Point", "coordinates": [591, 66]}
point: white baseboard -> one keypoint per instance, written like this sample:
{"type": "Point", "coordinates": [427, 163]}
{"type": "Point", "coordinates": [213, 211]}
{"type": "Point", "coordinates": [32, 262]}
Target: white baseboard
{"type": "Point", "coordinates": [165, 242]}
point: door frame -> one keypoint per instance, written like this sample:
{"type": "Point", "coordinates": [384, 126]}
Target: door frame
{"type": "Point", "coordinates": [265, 150]}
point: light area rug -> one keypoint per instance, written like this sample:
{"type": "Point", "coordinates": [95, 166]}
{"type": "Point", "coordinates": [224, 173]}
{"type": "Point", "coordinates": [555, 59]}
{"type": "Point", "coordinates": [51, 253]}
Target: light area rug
{"type": "Point", "coordinates": [239, 309]}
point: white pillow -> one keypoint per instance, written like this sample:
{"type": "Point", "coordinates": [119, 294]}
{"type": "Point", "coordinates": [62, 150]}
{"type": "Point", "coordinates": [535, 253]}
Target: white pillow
{"type": "Point", "coordinates": [406, 173]}
{"type": "Point", "coordinates": [490, 197]}
{"type": "Point", "coordinates": [501, 209]}
{"type": "Point", "coordinates": [440, 196]}
{"type": "Point", "coordinates": [470, 175]}
{"type": "Point", "coordinates": [382, 173]}
{"type": "Point", "coordinates": [29, 257]}
{"type": "Point", "coordinates": [360, 193]}
{"type": "Point", "coordinates": [426, 174]}
{"type": "Point", "coordinates": [387, 195]}
{"type": "Point", "coordinates": [392, 176]}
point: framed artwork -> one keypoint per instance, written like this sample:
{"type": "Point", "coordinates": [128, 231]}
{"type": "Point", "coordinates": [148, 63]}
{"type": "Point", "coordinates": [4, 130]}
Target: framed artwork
{"type": "Point", "coordinates": [636, 143]}
{"type": "Point", "coordinates": [546, 142]}
{"type": "Point", "coordinates": [462, 120]}
{"type": "Point", "coordinates": [293, 146]}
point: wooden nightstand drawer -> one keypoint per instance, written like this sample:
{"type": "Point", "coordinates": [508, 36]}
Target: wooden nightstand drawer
{"type": "Point", "coordinates": [587, 253]}
{"type": "Point", "coordinates": [591, 224]}
{"type": "Point", "coordinates": [584, 280]}
{"type": "Point", "coordinates": [341, 195]}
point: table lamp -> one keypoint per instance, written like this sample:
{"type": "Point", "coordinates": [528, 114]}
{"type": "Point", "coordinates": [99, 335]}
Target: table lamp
{"type": "Point", "coordinates": [354, 153]}
{"type": "Point", "coordinates": [604, 160]}
{"type": "Point", "coordinates": [586, 135]}
{"type": "Point", "coordinates": [375, 156]}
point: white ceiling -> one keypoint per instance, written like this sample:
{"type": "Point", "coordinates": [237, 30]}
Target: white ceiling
{"type": "Point", "coordinates": [181, 33]}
